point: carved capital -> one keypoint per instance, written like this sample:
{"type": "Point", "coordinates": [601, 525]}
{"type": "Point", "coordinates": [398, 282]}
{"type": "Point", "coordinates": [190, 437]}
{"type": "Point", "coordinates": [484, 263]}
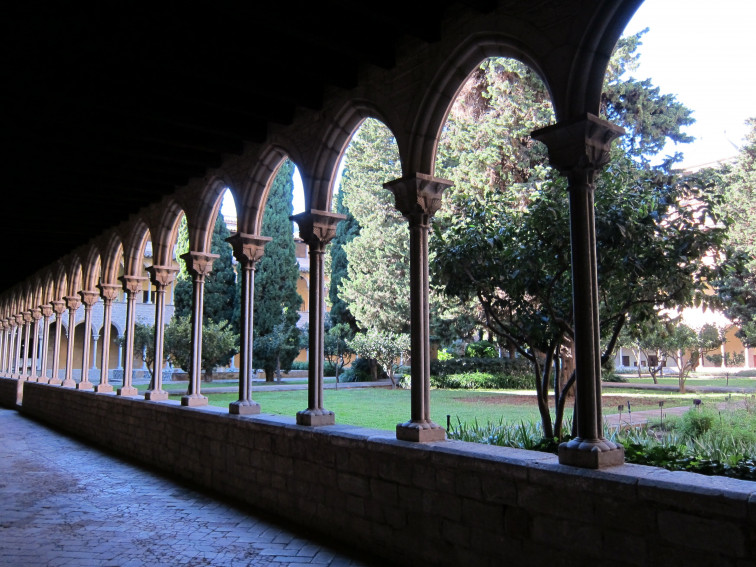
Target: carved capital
{"type": "Point", "coordinates": [162, 275]}
{"type": "Point", "coordinates": [418, 196]}
{"type": "Point", "coordinates": [581, 145]}
{"type": "Point", "coordinates": [317, 227]}
{"type": "Point", "coordinates": [59, 306]}
{"type": "Point", "coordinates": [27, 316]}
{"type": "Point", "coordinates": [248, 248]}
{"type": "Point", "coordinates": [72, 302]}
{"type": "Point", "coordinates": [46, 310]}
{"type": "Point", "coordinates": [199, 264]}
{"type": "Point", "coordinates": [19, 318]}
{"type": "Point", "coordinates": [36, 314]}
{"type": "Point", "coordinates": [108, 292]}
{"type": "Point", "coordinates": [132, 284]}
{"type": "Point", "coordinates": [89, 298]}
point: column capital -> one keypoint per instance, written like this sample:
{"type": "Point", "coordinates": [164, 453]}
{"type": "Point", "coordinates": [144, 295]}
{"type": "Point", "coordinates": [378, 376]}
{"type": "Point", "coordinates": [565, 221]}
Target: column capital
{"type": "Point", "coordinates": [36, 314]}
{"type": "Point", "coordinates": [248, 248]}
{"type": "Point", "coordinates": [132, 284]}
{"type": "Point", "coordinates": [72, 301]}
{"type": "Point", "coordinates": [88, 297]}
{"type": "Point", "coordinates": [199, 264]}
{"type": "Point", "coordinates": [19, 318]}
{"type": "Point", "coordinates": [418, 196]}
{"type": "Point", "coordinates": [46, 310]}
{"type": "Point", "coordinates": [162, 275]}
{"type": "Point", "coordinates": [317, 227]}
{"type": "Point", "coordinates": [579, 145]}
{"type": "Point", "coordinates": [108, 292]}
{"type": "Point", "coordinates": [59, 306]}
{"type": "Point", "coordinates": [27, 316]}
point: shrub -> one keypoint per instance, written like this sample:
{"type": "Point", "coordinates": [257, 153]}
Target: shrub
{"type": "Point", "coordinates": [358, 372]}
{"type": "Point", "coordinates": [482, 380]}
{"type": "Point", "coordinates": [299, 365]}
{"type": "Point", "coordinates": [481, 349]}
{"type": "Point", "coordinates": [442, 368]}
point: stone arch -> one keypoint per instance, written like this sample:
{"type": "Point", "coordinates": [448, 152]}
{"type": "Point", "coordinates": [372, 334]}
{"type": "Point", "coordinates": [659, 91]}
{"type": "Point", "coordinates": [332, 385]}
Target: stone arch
{"type": "Point", "coordinates": [255, 193]}
{"type": "Point", "coordinates": [74, 269]}
{"type": "Point", "coordinates": [91, 268]}
{"type": "Point", "coordinates": [164, 230]}
{"type": "Point", "coordinates": [443, 91]}
{"type": "Point", "coordinates": [47, 288]}
{"type": "Point", "coordinates": [134, 243]}
{"type": "Point", "coordinates": [112, 258]}
{"type": "Point", "coordinates": [202, 209]}
{"type": "Point", "coordinates": [333, 145]}
{"type": "Point", "coordinates": [61, 281]}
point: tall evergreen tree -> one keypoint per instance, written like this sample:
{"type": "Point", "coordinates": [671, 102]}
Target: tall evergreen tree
{"type": "Point", "coordinates": [222, 294]}
{"type": "Point", "coordinates": [337, 259]}
{"type": "Point", "coordinates": [276, 337]}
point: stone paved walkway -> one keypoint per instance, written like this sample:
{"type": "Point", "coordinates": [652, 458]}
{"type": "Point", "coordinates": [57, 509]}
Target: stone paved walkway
{"type": "Point", "coordinates": [64, 503]}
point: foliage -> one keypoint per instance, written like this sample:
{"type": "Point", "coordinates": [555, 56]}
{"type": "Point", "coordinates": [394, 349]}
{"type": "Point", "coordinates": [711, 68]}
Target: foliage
{"type": "Point", "coordinates": [511, 366]}
{"type": "Point", "coordinates": [219, 344]}
{"type": "Point", "coordinates": [144, 344]}
{"type": "Point", "coordinates": [359, 371]}
{"type": "Point", "coordinates": [337, 263]}
{"type": "Point", "coordinates": [277, 340]}
{"type": "Point", "coordinates": [505, 238]}
{"type": "Point", "coordinates": [384, 347]}
{"type": "Point", "coordinates": [483, 380]}
{"type": "Point", "coordinates": [376, 286]}
{"type": "Point", "coordinates": [737, 289]}
{"type": "Point", "coordinates": [336, 347]}
{"type": "Point", "coordinates": [481, 349]}
{"type": "Point", "coordinates": [222, 293]}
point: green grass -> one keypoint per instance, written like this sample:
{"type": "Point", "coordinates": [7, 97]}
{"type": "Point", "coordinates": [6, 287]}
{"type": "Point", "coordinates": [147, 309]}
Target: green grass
{"type": "Point", "coordinates": [702, 380]}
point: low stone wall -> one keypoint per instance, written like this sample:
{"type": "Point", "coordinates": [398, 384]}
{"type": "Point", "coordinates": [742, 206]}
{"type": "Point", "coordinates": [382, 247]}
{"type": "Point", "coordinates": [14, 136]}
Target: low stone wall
{"type": "Point", "coordinates": [10, 392]}
{"type": "Point", "coordinates": [448, 503]}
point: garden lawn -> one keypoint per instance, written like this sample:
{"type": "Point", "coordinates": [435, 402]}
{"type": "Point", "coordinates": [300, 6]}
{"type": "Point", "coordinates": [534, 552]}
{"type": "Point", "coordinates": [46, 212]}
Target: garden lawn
{"type": "Point", "coordinates": [382, 408]}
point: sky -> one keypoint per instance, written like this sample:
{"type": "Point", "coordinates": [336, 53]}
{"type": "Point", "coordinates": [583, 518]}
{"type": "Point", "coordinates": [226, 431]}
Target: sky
{"type": "Point", "coordinates": [703, 52]}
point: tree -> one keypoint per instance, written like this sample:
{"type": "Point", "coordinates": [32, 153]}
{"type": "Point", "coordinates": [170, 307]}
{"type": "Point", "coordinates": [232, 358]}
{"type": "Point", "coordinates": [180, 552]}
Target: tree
{"type": "Point", "coordinates": [737, 289]}
{"type": "Point", "coordinates": [384, 347]}
{"type": "Point", "coordinates": [504, 238]}
{"type": "Point", "coordinates": [219, 344]}
{"type": "Point", "coordinates": [336, 346]}
{"type": "Point", "coordinates": [276, 313]}
{"type": "Point", "coordinates": [222, 293]}
{"type": "Point", "coordinates": [376, 287]}
{"type": "Point", "coordinates": [337, 264]}
{"type": "Point", "coordinates": [679, 342]}
{"type": "Point", "coordinates": [144, 344]}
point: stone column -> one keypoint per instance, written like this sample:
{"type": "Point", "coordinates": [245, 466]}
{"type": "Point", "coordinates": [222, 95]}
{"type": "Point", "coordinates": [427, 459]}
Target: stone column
{"type": "Point", "coordinates": [47, 312]}
{"type": "Point", "coordinates": [248, 249]}
{"type": "Point", "coordinates": [95, 340]}
{"type": "Point", "coordinates": [198, 264]}
{"type": "Point", "coordinates": [88, 298]}
{"type": "Point", "coordinates": [161, 277]}
{"type": "Point", "coordinates": [59, 307]}
{"type": "Point", "coordinates": [25, 360]}
{"type": "Point", "coordinates": [73, 302]}
{"type": "Point", "coordinates": [108, 292]}
{"type": "Point", "coordinates": [578, 150]}
{"type": "Point", "coordinates": [747, 354]}
{"type": "Point", "coordinates": [418, 197]}
{"type": "Point", "coordinates": [316, 228]}
{"type": "Point", "coordinates": [132, 285]}
{"type": "Point", "coordinates": [6, 347]}
{"type": "Point", "coordinates": [17, 357]}
{"type": "Point", "coordinates": [3, 343]}
{"type": "Point", "coordinates": [36, 315]}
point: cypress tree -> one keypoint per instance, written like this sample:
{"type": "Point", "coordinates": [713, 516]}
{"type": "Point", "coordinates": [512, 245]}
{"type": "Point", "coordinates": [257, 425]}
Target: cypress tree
{"type": "Point", "coordinates": [346, 231]}
{"type": "Point", "coordinates": [277, 303]}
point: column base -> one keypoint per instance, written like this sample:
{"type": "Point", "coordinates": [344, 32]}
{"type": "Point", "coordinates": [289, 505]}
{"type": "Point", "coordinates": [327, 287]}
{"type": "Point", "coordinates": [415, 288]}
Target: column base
{"type": "Point", "coordinates": [591, 454]}
{"type": "Point", "coordinates": [84, 386]}
{"type": "Point", "coordinates": [128, 391]}
{"type": "Point", "coordinates": [244, 407]}
{"type": "Point", "coordinates": [68, 383]}
{"type": "Point", "coordinates": [316, 417]}
{"type": "Point", "coordinates": [193, 400]}
{"type": "Point", "coordinates": [420, 432]}
{"type": "Point", "coordinates": [156, 395]}
{"type": "Point", "coordinates": [54, 381]}
{"type": "Point", "coordinates": [103, 388]}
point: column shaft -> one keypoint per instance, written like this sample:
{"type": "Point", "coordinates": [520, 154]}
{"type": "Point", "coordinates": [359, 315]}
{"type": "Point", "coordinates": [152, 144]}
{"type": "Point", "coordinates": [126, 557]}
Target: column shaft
{"type": "Point", "coordinates": [59, 307]}
{"type": "Point", "coordinates": [132, 285]}
{"type": "Point", "coordinates": [73, 304]}
{"type": "Point", "coordinates": [36, 316]}
{"type": "Point", "coordinates": [161, 277]}
{"type": "Point", "coordinates": [108, 292]}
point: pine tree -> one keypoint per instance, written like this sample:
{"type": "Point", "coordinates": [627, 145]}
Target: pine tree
{"type": "Point", "coordinates": [277, 339]}
{"type": "Point", "coordinates": [346, 231]}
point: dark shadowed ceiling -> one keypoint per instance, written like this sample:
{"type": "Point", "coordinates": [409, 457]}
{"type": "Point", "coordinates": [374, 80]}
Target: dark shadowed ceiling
{"type": "Point", "coordinates": [108, 110]}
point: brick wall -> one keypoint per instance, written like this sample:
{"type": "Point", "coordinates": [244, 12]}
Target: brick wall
{"type": "Point", "coordinates": [450, 503]}
{"type": "Point", "coordinates": [10, 392]}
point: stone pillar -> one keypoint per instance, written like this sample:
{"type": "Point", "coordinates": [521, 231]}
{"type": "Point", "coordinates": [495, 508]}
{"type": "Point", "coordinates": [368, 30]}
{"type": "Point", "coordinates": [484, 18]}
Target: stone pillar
{"type": "Point", "coordinates": [6, 348]}
{"type": "Point", "coordinates": [95, 340]}
{"type": "Point", "coordinates": [316, 228]}
{"type": "Point", "coordinates": [47, 312]}
{"type": "Point", "coordinates": [578, 150]}
{"type": "Point", "coordinates": [88, 298]}
{"type": "Point", "coordinates": [17, 357]}
{"type": "Point", "coordinates": [36, 315]}
{"type": "Point", "coordinates": [747, 354]}
{"type": "Point", "coordinates": [59, 307]}
{"type": "Point", "coordinates": [73, 302]}
{"type": "Point", "coordinates": [25, 362]}
{"type": "Point", "coordinates": [248, 250]}
{"type": "Point", "coordinates": [3, 343]}
{"type": "Point", "coordinates": [108, 292]}
{"type": "Point", "coordinates": [723, 352]}
{"type": "Point", "coordinates": [161, 277]}
{"type": "Point", "coordinates": [132, 285]}
{"type": "Point", "coordinates": [199, 264]}
{"type": "Point", "coordinates": [418, 197]}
